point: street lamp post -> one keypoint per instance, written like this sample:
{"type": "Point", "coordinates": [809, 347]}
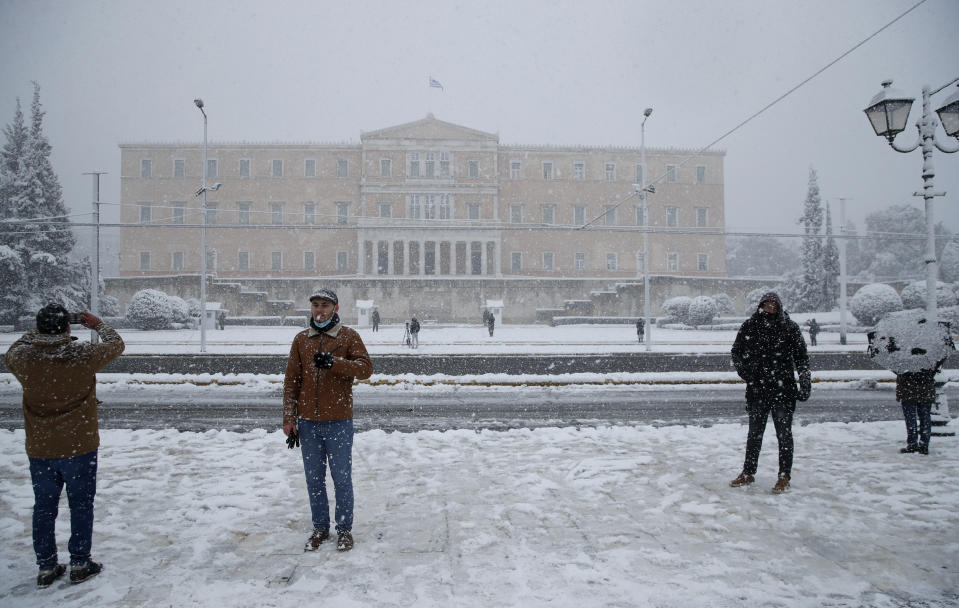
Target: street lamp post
{"type": "Point", "coordinates": [888, 113]}
{"type": "Point", "coordinates": [202, 192]}
{"type": "Point", "coordinates": [647, 327]}
{"type": "Point", "coordinates": [95, 262]}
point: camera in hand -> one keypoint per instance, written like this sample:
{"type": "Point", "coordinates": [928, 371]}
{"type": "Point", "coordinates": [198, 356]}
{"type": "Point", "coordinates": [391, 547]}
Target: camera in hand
{"type": "Point", "coordinates": [76, 319]}
{"type": "Point", "coordinates": [323, 360]}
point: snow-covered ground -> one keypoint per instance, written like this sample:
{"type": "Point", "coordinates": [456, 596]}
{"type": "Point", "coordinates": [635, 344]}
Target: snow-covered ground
{"type": "Point", "coordinates": [621, 516]}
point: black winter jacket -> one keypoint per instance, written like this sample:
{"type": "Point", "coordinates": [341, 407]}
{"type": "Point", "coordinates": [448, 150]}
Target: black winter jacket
{"type": "Point", "coordinates": [766, 355]}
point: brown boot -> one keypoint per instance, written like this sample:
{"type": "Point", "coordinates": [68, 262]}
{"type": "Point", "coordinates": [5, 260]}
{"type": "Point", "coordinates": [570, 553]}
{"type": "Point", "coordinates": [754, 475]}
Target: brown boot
{"type": "Point", "coordinates": [782, 484]}
{"type": "Point", "coordinates": [316, 539]}
{"type": "Point", "coordinates": [344, 540]}
{"type": "Point", "coordinates": [742, 480]}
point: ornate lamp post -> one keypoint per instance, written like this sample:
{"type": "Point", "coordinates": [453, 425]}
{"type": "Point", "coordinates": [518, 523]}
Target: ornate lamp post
{"type": "Point", "coordinates": [202, 192]}
{"type": "Point", "coordinates": [644, 192]}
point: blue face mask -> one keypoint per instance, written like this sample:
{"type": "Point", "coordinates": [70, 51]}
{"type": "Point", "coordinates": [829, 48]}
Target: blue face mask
{"type": "Point", "coordinates": [323, 324]}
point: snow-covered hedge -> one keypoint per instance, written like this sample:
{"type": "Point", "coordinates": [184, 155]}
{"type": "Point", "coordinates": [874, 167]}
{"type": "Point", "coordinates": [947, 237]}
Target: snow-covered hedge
{"type": "Point", "coordinates": [677, 308]}
{"type": "Point", "coordinates": [914, 295]}
{"type": "Point", "coordinates": [701, 311]}
{"type": "Point", "coordinates": [194, 305]}
{"type": "Point", "coordinates": [724, 304]}
{"type": "Point", "coordinates": [180, 309]}
{"type": "Point", "coordinates": [109, 306]}
{"type": "Point", "coordinates": [874, 301]}
{"type": "Point", "coordinates": [150, 309]}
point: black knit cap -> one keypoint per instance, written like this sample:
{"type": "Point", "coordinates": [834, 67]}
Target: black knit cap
{"type": "Point", "coordinates": [53, 319]}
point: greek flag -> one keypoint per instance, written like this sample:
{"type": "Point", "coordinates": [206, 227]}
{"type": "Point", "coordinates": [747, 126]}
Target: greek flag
{"type": "Point", "coordinates": [436, 84]}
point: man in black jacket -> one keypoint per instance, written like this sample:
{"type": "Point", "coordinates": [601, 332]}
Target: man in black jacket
{"type": "Point", "coordinates": [768, 349]}
{"type": "Point", "coordinates": [916, 391]}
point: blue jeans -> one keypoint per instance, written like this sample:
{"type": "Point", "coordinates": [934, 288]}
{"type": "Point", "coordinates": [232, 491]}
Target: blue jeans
{"type": "Point", "coordinates": [79, 473]}
{"type": "Point", "coordinates": [912, 410]}
{"type": "Point", "coordinates": [322, 441]}
{"type": "Point", "coordinates": [783, 420]}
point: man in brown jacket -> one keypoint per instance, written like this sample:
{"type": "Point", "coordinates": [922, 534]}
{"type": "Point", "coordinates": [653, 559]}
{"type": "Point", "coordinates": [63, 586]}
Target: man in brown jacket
{"type": "Point", "coordinates": [58, 375]}
{"type": "Point", "coordinates": [318, 412]}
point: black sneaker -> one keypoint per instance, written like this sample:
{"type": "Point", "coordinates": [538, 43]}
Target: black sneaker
{"type": "Point", "coordinates": [45, 578]}
{"type": "Point", "coordinates": [924, 450]}
{"type": "Point", "coordinates": [344, 540]}
{"type": "Point", "coordinates": [78, 574]}
{"type": "Point", "coordinates": [909, 449]}
{"type": "Point", "coordinates": [316, 539]}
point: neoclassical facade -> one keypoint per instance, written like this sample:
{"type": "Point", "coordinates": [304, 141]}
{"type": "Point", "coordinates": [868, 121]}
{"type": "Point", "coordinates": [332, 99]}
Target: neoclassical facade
{"type": "Point", "coordinates": [426, 198]}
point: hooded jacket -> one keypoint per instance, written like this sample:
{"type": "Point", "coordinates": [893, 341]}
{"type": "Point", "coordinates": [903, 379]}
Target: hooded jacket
{"type": "Point", "coordinates": [58, 375]}
{"type": "Point", "coordinates": [324, 394]}
{"type": "Point", "coordinates": [767, 351]}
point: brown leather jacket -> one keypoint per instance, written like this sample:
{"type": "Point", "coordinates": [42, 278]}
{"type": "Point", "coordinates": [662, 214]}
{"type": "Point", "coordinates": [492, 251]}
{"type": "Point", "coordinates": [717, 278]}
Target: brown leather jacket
{"type": "Point", "coordinates": [58, 375]}
{"type": "Point", "coordinates": [324, 394]}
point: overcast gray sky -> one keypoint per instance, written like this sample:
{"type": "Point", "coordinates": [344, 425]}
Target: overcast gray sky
{"type": "Point", "coordinates": [535, 72]}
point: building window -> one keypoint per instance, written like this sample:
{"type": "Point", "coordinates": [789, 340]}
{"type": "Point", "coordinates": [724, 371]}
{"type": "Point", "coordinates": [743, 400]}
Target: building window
{"type": "Point", "coordinates": [611, 261]}
{"type": "Point", "coordinates": [515, 169]}
{"type": "Point", "coordinates": [579, 260]}
{"type": "Point", "coordinates": [146, 168]}
{"type": "Point", "coordinates": [473, 168]}
{"type": "Point", "coordinates": [579, 170]}
{"type": "Point", "coordinates": [414, 164]}
{"type": "Point", "coordinates": [414, 206]}
{"type": "Point", "coordinates": [342, 260]}
{"type": "Point", "coordinates": [179, 212]}
{"type": "Point", "coordinates": [243, 260]}
{"type": "Point", "coordinates": [276, 214]}
{"type": "Point", "coordinates": [243, 212]}
{"type": "Point", "coordinates": [672, 217]}
{"type": "Point", "coordinates": [276, 260]}
{"type": "Point", "coordinates": [516, 214]}
{"type": "Point", "coordinates": [429, 207]}
{"type": "Point", "coordinates": [342, 167]}
{"type": "Point", "coordinates": [670, 173]}
{"type": "Point", "coordinates": [179, 167]}
{"type": "Point", "coordinates": [211, 166]}
{"type": "Point", "coordinates": [309, 213]}
{"type": "Point", "coordinates": [309, 167]}
{"type": "Point", "coordinates": [277, 167]}
{"type": "Point", "coordinates": [211, 213]}
{"type": "Point", "coordinates": [672, 262]}
{"type": "Point", "coordinates": [144, 260]}
{"type": "Point", "coordinates": [386, 167]}
{"type": "Point", "coordinates": [702, 262]}
{"type": "Point", "coordinates": [579, 215]}
{"type": "Point", "coordinates": [701, 217]}
{"type": "Point", "coordinates": [386, 209]}
{"type": "Point", "coordinates": [177, 262]}
{"type": "Point", "coordinates": [146, 213]}
{"type": "Point", "coordinates": [549, 214]}
{"type": "Point", "coordinates": [639, 174]}
{"type": "Point", "coordinates": [611, 172]}
{"type": "Point", "coordinates": [446, 210]}
{"type": "Point", "coordinates": [640, 215]}
{"type": "Point", "coordinates": [473, 211]}
{"type": "Point", "coordinates": [429, 169]}
{"type": "Point", "coordinates": [610, 215]}
{"type": "Point", "coordinates": [516, 261]}
{"type": "Point", "coordinates": [309, 260]}
{"type": "Point", "coordinates": [342, 212]}
{"type": "Point", "coordinates": [547, 170]}
{"type": "Point", "coordinates": [548, 260]}
{"type": "Point", "coordinates": [701, 174]}
{"type": "Point", "coordinates": [244, 167]}
{"type": "Point", "coordinates": [444, 164]}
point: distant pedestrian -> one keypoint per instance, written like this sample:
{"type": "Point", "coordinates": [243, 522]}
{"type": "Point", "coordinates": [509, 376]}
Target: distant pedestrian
{"type": "Point", "coordinates": [916, 391]}
{"type": "Point", "coordinates": [414, 333]}
{"type": "Point", "coordinates": [221, 320]}
{"type": "Point", "coordinates": [768, 350]}
{"type": "Point", "coordinates": [640, 329]}
{"type": "Point", "coordinates": [375, 318]}
{"type": "Point", "coordinates": [58, 375]}
{"type": "Point", "coordinates": [486, 314]}
{"type": "Point", "coordinates": [490, 323]}
{"type": "Point", "coordinates": [813, 330]}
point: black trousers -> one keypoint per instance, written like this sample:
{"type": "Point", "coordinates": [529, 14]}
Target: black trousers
{"type": "Point", "coordinates": [783, 419]}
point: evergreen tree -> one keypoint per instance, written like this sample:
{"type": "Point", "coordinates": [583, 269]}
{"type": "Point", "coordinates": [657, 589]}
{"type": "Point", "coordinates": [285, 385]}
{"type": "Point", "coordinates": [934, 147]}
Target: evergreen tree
{"type": "Point", "coordinates": [809, 296]}
{"type": "Point", "coordinates": [830, 266]}
{"type": "Point", "coordinates": [12, 154]}
{"type": "Point", "coordinates": [896, 247]}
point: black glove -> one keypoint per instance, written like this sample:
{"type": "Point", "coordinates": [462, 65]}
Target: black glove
{"type": "Point", "coordinates": [293, 440]}
{"type": "Point", "coordinates": [323, 360]}
{"type": "Point", "coordinates": [805, 385]}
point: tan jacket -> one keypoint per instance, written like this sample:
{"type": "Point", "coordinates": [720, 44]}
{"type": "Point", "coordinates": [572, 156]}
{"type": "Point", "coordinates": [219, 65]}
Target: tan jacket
{"type": "Point", "coordinates": [324, 394]}
{"type": "Point", "coordinates": [58, 375]}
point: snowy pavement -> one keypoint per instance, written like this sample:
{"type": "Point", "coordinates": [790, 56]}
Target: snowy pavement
{"type": "Point", "coordinates": [614, 516]}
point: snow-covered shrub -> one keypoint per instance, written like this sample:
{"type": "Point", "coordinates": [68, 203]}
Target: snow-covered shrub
{"type": "Point", "coordinates": [949, 261]}
{"type": "Point", "coordinates": [180, 309]}
{"type": "Point", "coordinates": [194, 305]}
{"type": "Point", "coordinates": [914, 295]}
{"type": "Point", "coordinates": [724, 304]}
{"type": "Point", "coordinates": [752, 298]}
{"type": "Point", "coordinates": [874, 301]}
{"type": "Point", "coordinates": [951, 314]}
{"type": "Point", "coordinates": [677, 308]}
{"type": "Point", "coordinates": [150, 309]}
{"type": "Point", "coordinates": [108, 306]}
{"type": "Point", "coordinates": [701, 311]}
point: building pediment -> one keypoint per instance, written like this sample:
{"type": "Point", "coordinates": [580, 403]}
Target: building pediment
{"type": "Point", "coordinates": [429, 128]}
